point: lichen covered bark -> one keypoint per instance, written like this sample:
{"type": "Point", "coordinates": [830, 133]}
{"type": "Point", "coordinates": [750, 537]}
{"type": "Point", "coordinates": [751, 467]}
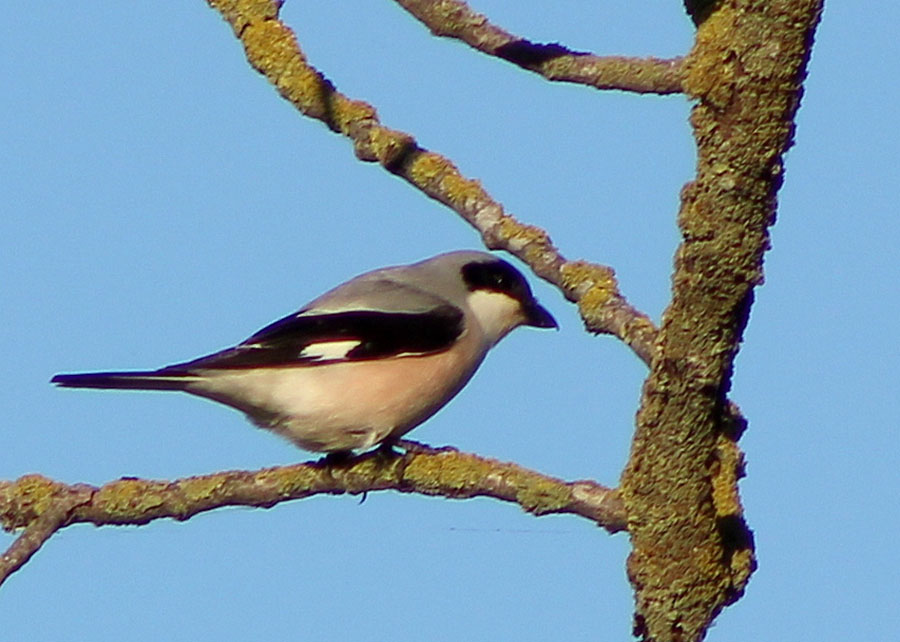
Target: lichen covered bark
{"type": "Point", "coordinates": [692, 550]}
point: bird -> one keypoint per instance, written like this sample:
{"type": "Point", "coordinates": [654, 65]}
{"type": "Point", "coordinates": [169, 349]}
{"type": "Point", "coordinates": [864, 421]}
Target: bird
{"type": "Point", "coordinates": [364, 363]}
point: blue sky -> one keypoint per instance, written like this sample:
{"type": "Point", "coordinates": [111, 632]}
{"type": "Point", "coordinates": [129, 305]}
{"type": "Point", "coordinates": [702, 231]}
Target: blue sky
{"type": "Point", "coordinates": [161, 201]}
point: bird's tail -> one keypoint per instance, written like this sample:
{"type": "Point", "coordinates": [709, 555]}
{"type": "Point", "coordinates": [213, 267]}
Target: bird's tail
{"type": "Point", "coordinates": [148, 380]}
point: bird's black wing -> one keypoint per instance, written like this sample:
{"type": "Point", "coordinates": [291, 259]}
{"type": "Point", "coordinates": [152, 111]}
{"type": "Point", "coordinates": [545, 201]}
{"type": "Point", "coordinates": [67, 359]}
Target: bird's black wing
{"type": "Point", "coordinates": [315, 338]}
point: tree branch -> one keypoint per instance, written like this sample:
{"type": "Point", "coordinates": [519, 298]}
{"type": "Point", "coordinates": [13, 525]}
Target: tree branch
{"type": "Point", "coordinates": [45, 509]}
{"type": "Point", "coordinates": [692, 550]}
{"type": "Point", "coordinates": [454, 19]}
{"type": "Point", "coordinates": [272, 49]}
{"type": "Point", "coordinates": [43, 506]}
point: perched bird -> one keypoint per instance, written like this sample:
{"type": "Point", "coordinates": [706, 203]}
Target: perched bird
{"type": "Point", "coordinates": [364, 363]}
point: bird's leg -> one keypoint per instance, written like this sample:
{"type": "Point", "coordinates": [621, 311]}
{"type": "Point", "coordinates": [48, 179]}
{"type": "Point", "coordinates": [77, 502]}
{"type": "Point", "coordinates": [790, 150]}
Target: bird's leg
{"type": "Point", "coordinates": [386, 449]}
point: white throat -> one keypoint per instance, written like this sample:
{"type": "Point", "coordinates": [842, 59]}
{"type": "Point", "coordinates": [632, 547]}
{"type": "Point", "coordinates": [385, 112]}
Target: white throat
{"type": "Point", "coordinates": [497, 313]}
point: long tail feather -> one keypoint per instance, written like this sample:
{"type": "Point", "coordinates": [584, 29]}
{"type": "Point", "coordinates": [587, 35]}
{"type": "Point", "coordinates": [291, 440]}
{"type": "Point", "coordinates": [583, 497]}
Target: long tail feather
{"type": "Point", "coordinates": [150, 380]}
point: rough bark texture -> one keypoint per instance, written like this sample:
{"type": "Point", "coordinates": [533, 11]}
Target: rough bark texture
{"type": "Point", "coordinates": [692, 550]}
{"type": "Point", "coordinates": [42, 506]}
{"type": "Point", "coordinates": [454, 19]}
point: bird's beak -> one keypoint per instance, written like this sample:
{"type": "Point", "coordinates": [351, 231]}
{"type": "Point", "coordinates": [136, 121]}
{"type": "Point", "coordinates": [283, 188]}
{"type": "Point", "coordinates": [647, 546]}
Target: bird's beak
{"type": "Point", "coordinates": [536, 315]}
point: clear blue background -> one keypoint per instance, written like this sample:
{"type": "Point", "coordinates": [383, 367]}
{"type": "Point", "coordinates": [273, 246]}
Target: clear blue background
{"type": "Point", "coordinates": [161, 201]}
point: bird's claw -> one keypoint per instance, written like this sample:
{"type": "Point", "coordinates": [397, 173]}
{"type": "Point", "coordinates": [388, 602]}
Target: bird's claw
{"type": "Point", "coordinates": [418, 448]}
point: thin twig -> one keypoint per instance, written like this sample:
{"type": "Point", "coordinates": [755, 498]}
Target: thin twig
{"type": "Point", "coordinates": [454, 19]}
{"type": "Point", "coordinates": [272, 49]}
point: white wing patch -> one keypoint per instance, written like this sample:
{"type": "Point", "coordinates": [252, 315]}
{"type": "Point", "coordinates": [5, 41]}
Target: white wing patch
{"type": "Point", "coordinates": [328, 350]}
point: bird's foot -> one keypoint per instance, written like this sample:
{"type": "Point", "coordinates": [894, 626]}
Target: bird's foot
{"type": "Point", "coordinates": [386, 449]}
{"type": "Point", "coordinates": [337, 457]}
{"type": "Point", "coordinates": [418, 448]}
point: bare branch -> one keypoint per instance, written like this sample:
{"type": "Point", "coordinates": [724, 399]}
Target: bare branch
{"type": "Point", "coordinates": [272, 49]}
{"type": "Point", "coordinates": [454, 19]}
{"type": "Point", "coordinates": [55, 504]}
{"type": "Point", "coordinates": [680, 485]}
{"type": "Point", "coordinates": [43, 506]}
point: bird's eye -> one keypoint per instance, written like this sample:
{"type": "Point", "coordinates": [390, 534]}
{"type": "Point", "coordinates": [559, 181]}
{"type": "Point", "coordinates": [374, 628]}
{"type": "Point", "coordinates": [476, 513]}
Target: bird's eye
{"type": "Point", "coordinates": [498, 276]}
